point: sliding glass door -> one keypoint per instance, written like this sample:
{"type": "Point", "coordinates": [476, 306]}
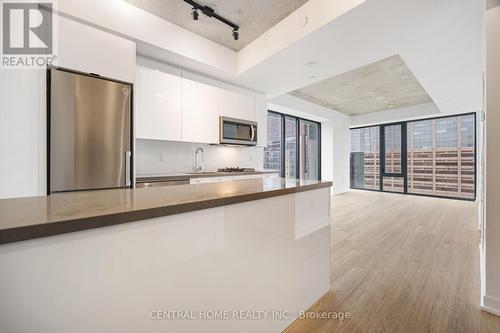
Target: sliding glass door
{"type": "Point", "coordinates": [434, 157]}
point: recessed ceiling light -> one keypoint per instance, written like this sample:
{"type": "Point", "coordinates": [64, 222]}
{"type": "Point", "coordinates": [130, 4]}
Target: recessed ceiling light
{"type": "Point", "coordinates": [313, 77]}
{"type": "Point", "coordinates": [379, 98]}
{"type": "Point", "coordinates": [305, 20]}
{"type": "Point", "coordinates": [391, 105]}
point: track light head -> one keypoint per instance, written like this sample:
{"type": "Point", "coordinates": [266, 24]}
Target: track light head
{"type": "Point", "coordinates": [210, 12]}
{"type": "Point", "coordinates": [195, 14]}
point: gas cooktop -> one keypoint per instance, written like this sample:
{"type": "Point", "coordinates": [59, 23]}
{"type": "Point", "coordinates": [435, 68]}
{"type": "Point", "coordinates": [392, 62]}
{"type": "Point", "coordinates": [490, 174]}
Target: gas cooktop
{"type": "Point", "coordinates": [236, 169]}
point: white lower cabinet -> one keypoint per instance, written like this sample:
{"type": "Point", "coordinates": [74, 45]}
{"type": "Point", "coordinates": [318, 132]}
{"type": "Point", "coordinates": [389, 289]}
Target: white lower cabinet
{"type": "Point", "coordinates": [247, 177]}
{"type": "Point", "coordinates": [204, 180]}
{"type": "Point", "coordinates": [210, 180]}
{"type": "Point", "coordinates": [158, 107]}
{"type": "Point", "coordinates": [271, 175]}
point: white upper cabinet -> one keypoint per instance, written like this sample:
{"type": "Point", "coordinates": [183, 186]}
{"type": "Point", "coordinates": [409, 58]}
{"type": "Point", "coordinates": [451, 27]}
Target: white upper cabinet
{"type": "Point", "coordinates": [90, 50]}
{"type": "Point", "coordinates": [200, 110]}
{"type": "Point", "coordinates": [237, 103]}
{"type": "Point", "coordinates": [174, 108]}
{"type": "Point", "coordinates": [158, 105]}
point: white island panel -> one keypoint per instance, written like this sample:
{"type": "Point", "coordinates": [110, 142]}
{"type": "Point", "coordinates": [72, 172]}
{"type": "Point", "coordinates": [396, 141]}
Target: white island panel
{"type": "Point", "coordinates": [245, 256]}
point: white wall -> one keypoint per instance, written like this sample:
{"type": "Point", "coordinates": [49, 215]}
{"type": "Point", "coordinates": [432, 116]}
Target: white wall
{"type": "Point", "coordinates": [155, 157]}
{"type": "Point", "coordinates": [491, 279]}
{"type": "Point", "coordinates": [327, 150]}
{"type": "Point", "coordinates": [20, 133]}
{"type": "Point", "coordinates": [341, 148]}
{"type": "Point", "coordinates": [334, 137]}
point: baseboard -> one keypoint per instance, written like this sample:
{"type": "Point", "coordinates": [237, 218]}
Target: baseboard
{"type": "Point", "coordinates": [491, 305]}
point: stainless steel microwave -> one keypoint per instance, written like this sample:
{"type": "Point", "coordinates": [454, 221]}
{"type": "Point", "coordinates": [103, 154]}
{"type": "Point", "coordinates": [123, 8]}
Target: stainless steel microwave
{"type": "Point", "coordinates": [237, 132]}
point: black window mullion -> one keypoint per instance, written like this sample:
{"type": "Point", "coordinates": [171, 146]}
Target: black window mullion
{"type": "Point", "coordinates": [283, 135]}
{"type": "Point", "coordinates": [319, 151]}
{"type": "Point", "coordinates": [381, 157]}
{"type": "Point", "coordinates": [404, 156]}
{"type": "Point", "coordinates": [297, 148]}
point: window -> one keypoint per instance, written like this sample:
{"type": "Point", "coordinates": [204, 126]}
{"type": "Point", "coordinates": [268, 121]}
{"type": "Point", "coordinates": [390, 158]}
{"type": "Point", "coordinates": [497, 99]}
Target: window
{"type": "Point", "coordinates": [447, 167]}
{"type": "Point", "coordinates": [364, 170]}
{"type": "Point", "coordinates": [392, 140]}
{"type": "Point", "coordinates": [420, 135]}
{"type": "Point", "coordinates": [290, 147]}
{"type": "Point", "coordinates": [434, 157]}
{"type": "Point", "coordinates": [293, 146]}
{"type": "Point", "coordinates": [309, 150]}
{"type": "Point", "coordinates": [446, 133]}
{"type": "Point", "coordinates": [392, 174]}
{"type": "Point", "coordinates": [272, 152]}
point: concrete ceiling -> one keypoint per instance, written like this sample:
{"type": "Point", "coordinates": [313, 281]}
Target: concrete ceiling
{"type": "Point", "coordinates": [254, 17]}
{"type": "Point", "coordinates": [383, 85]}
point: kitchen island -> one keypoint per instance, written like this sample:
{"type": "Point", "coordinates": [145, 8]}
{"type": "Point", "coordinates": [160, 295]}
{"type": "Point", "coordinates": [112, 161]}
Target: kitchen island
{"type": "Point", "coordinates": [186, 258]}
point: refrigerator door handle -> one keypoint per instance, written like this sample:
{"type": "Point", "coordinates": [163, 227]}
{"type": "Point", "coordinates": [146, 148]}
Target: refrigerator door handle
{"type": "Point", "coordinates": [128, 175]}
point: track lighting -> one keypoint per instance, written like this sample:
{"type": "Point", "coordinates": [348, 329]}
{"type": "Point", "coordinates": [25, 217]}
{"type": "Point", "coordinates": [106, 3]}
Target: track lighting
{"type": "Point", "coordinates": [194, 14]}
{"type": "Point", "coordinates": [210, 12]}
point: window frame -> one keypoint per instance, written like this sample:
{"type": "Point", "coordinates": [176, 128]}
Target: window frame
{"type": "Point", "coordinates": [381, 127]}
{"type": "Point", "coordinates": [297, 145]}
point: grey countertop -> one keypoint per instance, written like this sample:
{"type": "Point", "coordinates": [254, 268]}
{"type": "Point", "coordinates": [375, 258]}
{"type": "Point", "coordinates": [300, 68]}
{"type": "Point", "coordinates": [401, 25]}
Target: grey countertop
{"type": "Point", "coordinates": [35, 217]}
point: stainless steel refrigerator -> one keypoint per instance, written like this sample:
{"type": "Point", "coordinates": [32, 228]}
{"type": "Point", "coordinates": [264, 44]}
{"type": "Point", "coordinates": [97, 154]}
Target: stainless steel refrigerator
{"type": "Point", "coordinates": [89, 132]}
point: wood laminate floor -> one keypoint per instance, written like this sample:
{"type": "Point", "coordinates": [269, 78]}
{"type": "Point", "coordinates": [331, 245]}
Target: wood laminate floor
{"type": "Point", "coordinates": [402, 263]}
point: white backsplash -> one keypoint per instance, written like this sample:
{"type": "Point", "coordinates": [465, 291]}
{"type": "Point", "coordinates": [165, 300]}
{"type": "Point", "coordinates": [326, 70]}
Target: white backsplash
{"type": "Point", "coordinates": [165, 157]}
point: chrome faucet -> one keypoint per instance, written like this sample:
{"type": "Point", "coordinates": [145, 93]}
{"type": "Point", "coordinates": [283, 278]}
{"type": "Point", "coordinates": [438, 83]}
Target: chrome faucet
{"type": "Point", "coordinates": [196, 166]}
